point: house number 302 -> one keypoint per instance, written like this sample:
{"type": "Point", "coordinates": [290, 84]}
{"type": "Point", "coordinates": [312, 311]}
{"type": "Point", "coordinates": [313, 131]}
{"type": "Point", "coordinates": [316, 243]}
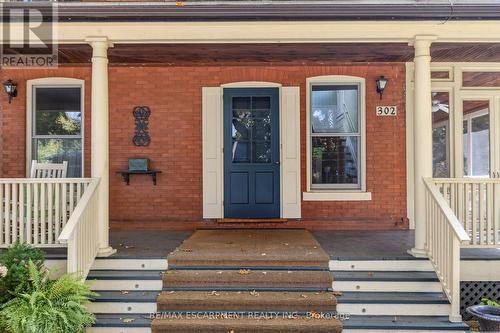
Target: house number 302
{"type": "Point", "coordinates": [386, 111]}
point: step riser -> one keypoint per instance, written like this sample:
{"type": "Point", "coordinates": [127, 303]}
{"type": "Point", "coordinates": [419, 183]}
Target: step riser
{"type": "Point", "coordinates": [145, 285]}
{"type": "Point", "coordinates": [130, 264]}
{"type": "Point", "coordinates": [123, 307]}
{"type": "Point", "coordinates": [384, 309]}
{"type": "Point", "coordinates": [381, 265]}
{"type": "Point", "coordinates": [251, 279]}
{"type": "Point", "coordinates": [394, 331]}
{"type": "Point", "coordinates": [390, 286]}
{"type": "Point", "coordinates": [119, 330]}
{"type": "Point", "coordinates": [374, 309]}
{"type": "Point", "coordinates": [148, 330]}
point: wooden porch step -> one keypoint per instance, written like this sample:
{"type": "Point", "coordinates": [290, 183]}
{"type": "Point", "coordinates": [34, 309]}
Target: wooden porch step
{"type": "Point", "coordinates": [247, 301]}
{"type": "Point", "coordinates": [247, 325]}
{"type": "Point", "coordinates": [247, 279]}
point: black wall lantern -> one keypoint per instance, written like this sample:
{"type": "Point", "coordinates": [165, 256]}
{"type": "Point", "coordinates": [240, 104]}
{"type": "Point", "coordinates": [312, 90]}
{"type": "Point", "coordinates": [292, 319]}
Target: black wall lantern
{"type": "Point", "coordinates": [10, 88]}
{"type": "Point", "coordinates": [381, 84]}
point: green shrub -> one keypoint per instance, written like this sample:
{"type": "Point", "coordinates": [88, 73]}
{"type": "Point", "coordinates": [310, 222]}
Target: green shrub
{"type": "Point", "coordinates": [49, 306]}
{"type": "Point", "coordinates": [486, 301]}
{"type": "Point", "coordinates": [16, 259]}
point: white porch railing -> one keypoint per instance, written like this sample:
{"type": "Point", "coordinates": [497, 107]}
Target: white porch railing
{"type": "Point", "coordinates": [476, 204]}
{"type": "Point", "coordinates": [444, 237]}
{"type": "Point", "coordinates": [35, 210]}
{"type": "Point", "coordinates": [81, 233]}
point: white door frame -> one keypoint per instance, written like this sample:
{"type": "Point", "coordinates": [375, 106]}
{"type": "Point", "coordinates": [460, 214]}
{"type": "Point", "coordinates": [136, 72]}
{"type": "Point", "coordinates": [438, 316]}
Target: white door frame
{"type": "Point", "coordinates": [286, 211]}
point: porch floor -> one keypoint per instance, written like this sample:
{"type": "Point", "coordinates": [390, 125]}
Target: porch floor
{"type": "Point", "coordinates": [339, 245]}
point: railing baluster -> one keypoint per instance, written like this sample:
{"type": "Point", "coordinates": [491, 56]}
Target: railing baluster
{"type": "Point", "coordinates": [2, 210]}
{"type": "Point", "coordinates": [7, 224]}
{"type": "Point", "coordinates": [34, 210]}
{"type": "Point", "coordinates": [29, 207]}
{"type": "Point", "coordinates": [15, 217]}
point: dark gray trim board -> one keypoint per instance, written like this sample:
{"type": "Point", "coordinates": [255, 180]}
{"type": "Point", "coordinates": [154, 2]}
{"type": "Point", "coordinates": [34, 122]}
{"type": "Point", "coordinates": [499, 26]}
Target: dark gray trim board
{"type": "Point", "coordinates": [269, 10]}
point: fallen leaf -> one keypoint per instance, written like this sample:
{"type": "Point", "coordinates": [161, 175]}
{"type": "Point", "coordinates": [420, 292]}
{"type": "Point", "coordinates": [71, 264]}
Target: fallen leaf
{"type": "Point", "coordinates": [314, 315]}
{"type": "Point", "coordinates": [125, 292]}
{"type": "Point", "coordinates": [337, 293]}
{"type": "Point", "coordinates": [179, 4]}
{"type": "Point", "coordinates": [244, 271]}
{"type": "Point", "coordinates": [128, 320]}
{"type": "Point", "coordinates": [254, 293]}
{"type": "Point", "coordinates": [214, 293]}
{"type": "Point", "coordinates": [303, 296]}
{"type": "Point", "coordinates": [370, 273]}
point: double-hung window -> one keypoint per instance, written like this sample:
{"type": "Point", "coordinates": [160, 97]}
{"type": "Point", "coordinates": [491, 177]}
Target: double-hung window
{"type": "Point", "coordinates": [336, 134]}
{"type": "Point", "coordinates": [56, 125]}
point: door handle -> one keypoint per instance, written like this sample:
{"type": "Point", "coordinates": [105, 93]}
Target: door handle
{"type": "Point", "coordinates": [277, 162]}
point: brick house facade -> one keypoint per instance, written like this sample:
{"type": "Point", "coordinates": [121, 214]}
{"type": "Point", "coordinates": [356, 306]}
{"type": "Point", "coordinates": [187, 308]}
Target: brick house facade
{"type": "Point", "coordinates": [174, 95]}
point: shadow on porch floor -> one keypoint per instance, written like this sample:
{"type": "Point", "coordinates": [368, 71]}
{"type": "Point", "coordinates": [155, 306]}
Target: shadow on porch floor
{"type": "Point", "coordinates": [344, 245]}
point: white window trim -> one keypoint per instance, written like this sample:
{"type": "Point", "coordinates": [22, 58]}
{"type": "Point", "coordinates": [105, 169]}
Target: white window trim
{"type": "Point", "coordinates": [50, 82]}
{"type": "Point", "coordinates": [340, 194]}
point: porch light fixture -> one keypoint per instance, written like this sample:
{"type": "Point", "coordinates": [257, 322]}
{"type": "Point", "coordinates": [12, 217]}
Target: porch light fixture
{"type": "Point", "coordinates": [381, 84]}
{"type": "Point", "coordinates": [10, 88]}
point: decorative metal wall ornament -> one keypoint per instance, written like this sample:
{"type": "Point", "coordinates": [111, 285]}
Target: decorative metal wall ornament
{"type": "Point", "coordinates": [141, 115]}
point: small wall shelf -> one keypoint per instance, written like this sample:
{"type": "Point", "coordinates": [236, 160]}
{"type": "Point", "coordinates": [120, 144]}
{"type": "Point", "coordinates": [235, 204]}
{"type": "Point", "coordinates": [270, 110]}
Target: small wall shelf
{"type": "Point", "coordinates": [126, 174]}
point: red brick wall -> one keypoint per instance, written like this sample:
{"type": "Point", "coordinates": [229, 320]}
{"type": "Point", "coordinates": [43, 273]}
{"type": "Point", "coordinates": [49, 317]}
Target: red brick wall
{"type": "Point", "coordinates": [13, 117]}
{"type": "Point", "coordinates": [174, 96]}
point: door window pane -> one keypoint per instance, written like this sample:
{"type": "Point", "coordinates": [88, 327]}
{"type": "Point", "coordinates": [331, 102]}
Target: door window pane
{"type": "Point", "coordinates": [251, 129]}
{"type": "Point", "coordinates": [440, 134]}
{"type": "Point", "coordinates": [476, 138]}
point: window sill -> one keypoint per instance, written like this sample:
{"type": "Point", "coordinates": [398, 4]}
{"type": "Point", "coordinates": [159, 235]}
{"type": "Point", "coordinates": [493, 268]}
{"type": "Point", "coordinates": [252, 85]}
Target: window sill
{"type": "Point", "coordinates": [336, 196]}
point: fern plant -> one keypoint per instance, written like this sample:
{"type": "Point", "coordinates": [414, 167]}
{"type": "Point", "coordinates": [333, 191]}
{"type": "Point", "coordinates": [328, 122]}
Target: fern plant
{"type": "Point", "coordinates": [15, 260]}
{"type": "Point", "coordinates": [50, 306]}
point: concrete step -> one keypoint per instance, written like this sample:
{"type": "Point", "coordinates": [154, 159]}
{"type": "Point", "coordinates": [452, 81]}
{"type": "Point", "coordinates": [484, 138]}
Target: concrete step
{"type": "Point", "coordinates": [416, 264]}
{"type": "Point", "coordinates": [386, 281]}
{"type": "Point", "coordinates": [125, 302]}
{"type": "Point", "coordinates": [247, 325]}
{"type": "Point", "coordinates": [247, 301]}
{"type": "Point", "coordinates": [125, 280]}
{"type": "Point", "coordinates": [247, 279]}
{"type": "Point", "coordinates": [112, 263]}
{"type": "Point", "coordinates": [141, 323]}
{"type": "Point", "coordinates": [393, 304]}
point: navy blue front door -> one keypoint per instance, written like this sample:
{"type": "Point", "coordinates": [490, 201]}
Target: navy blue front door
{"type": "Point", "coordinates": [251, 153]}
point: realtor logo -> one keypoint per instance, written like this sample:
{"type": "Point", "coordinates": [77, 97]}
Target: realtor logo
{"type": "Point", "coordinates": [28, 35]}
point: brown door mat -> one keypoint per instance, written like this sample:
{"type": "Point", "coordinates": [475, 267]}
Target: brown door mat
{"type": "Point", "coordinates": [248, 279]}
{"type": "Point", "coordinates": [246, 325]}
{"type": "Point", "coordinates": [252, 220]}
{"type": "Point", "coordinates": [250, 248]}
{"type": "Point", "coordinates": [247, 301]}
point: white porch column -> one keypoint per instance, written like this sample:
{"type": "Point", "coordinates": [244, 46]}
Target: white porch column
{"type": "Point", "coordinates": [422, 118]}
{"type": "Point", "coordinates": [100, 136]}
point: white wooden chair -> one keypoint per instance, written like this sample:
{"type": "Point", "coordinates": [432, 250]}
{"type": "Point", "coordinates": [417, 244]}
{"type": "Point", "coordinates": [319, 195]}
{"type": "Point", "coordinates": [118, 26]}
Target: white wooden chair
{"type": "Point", "coordinates": [48, 170]}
